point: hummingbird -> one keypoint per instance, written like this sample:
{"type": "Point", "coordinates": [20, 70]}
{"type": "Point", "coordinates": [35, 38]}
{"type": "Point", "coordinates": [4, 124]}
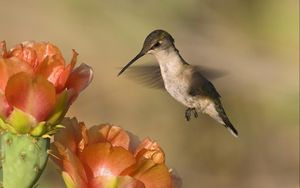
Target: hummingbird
{"type": "Point", "coordinates": [184, 82]}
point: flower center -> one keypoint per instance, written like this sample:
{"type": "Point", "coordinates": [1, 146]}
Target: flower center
{"type": "Point", "coordinates": [105, 172]}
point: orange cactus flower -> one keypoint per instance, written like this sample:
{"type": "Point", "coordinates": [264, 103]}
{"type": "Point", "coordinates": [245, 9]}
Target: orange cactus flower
{"type": "Point", "coordinates": [106, 156]}
{"type": "Point", "coordinates": [37, 86]}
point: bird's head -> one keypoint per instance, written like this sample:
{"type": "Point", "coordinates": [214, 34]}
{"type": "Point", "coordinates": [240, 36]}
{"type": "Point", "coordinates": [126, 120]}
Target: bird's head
{"type": "Point", "coordinates": [156, 41]}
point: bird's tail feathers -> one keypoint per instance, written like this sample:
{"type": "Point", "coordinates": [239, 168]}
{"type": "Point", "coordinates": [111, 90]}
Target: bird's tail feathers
{"type": "Point", "coordinates": [230, 127]}
{"type": "Point", "coordinates": [223, 117]}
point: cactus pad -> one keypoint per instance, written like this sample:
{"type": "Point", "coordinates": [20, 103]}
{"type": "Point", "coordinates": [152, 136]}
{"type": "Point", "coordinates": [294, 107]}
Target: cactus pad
{"type": "Point", "coordinates": [23, 159]}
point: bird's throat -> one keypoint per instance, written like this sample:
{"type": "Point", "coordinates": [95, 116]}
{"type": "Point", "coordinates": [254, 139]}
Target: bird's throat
{"type": "Point", "coordinates": [170, 61]}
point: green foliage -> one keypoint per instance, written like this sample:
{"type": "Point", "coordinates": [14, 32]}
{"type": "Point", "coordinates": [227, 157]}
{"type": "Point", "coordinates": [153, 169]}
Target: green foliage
{"type": "Point", "coordinates": [23, 159]}
{"type": "Point", "coordinates": [21, 121]}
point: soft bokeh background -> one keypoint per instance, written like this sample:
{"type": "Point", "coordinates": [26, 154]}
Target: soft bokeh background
{"type": "Point", "coordinates": [255, 41]}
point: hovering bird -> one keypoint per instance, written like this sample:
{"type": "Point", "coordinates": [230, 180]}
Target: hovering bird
{"type": "Point", "coordinates": [185, 82]}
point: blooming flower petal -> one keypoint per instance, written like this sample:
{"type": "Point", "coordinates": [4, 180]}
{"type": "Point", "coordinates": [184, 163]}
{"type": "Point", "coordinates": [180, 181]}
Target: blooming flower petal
{"type": "Point", "coordinates": [73, 136]}
{"type": "Point", "coordinates": [151, 174]}
{"type": "Point", "coordinates": [176, 180]}
{"type": "Point", "coordinates": [33, 79]}
{"type": "Point", "coordinates": [64, 76]}
{"type": "Point", "coordinates": [34, 53]}
{"type": "Point", "coordinates": [71, 165]}
{"type": "Point", "coordinates": [45, 59]}
{"type": "Point", "coordinates": [110, 163]}
{"type": "Point", "coordinates": [51, 69]}
{"type": "Point", "coordinates": [150, 150]}
{"type": "Point", "coordinates": [4, 49]}
{"type": "Point", "coordinates": [108, 133]}
{"type": "Point", "coordinates": [80, 78]}
{"type": "Point", "coordinates": [103, 159]}
{"type": "Point", "coordinates": [9, 67]}
{"type": "Point", "coordinates": [5, 108]}
{"type": "Point", "coordinates": [115, 181]}
{"type": "Point", "coordinates": [34, 95]}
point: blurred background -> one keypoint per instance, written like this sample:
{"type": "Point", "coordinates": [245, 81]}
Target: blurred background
{"type": "Point", "coordinates": [256, 42]}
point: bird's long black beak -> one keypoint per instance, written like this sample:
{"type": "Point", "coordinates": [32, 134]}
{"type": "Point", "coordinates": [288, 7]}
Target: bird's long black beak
{"type": "Point", "coordinates": [142, 53]}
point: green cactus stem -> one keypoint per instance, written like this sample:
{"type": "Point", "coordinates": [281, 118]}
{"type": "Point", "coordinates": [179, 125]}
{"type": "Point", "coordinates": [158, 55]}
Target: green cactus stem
{"type": "Point", "coordinates": [23, 159]}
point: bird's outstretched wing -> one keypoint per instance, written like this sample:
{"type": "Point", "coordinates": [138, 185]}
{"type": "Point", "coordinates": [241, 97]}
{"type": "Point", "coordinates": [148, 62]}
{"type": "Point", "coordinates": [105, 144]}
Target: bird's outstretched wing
{"type": "Point", "coordinates": [210, 73]}
{"type": "Point", "coordinates": [150, 75]}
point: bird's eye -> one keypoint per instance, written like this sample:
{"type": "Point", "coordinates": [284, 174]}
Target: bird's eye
{"type": "Point", "coordinates": [156, 45]}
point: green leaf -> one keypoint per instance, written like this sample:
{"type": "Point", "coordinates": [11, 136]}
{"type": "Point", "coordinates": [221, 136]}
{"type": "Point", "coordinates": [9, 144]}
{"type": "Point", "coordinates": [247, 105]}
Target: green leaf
{"type": "Point", "coordinates": [21, 121]}
{"type": "Point", "coordinates": [39, 130]}
{"type": "Point", "coordinates": [68, 180]}
{"type": "Point", "coordinates": [60, 109]}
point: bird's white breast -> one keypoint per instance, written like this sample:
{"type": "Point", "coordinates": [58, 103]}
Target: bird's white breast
{"type": "Point", "coordinates": [175, 76]}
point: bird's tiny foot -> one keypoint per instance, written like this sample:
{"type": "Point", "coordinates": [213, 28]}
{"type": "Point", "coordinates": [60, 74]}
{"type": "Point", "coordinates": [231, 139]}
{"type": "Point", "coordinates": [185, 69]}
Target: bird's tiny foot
{"type": "Point", "coordinates": [195, 113]}
{"type": "Point", "coordinates": [188, 113]}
